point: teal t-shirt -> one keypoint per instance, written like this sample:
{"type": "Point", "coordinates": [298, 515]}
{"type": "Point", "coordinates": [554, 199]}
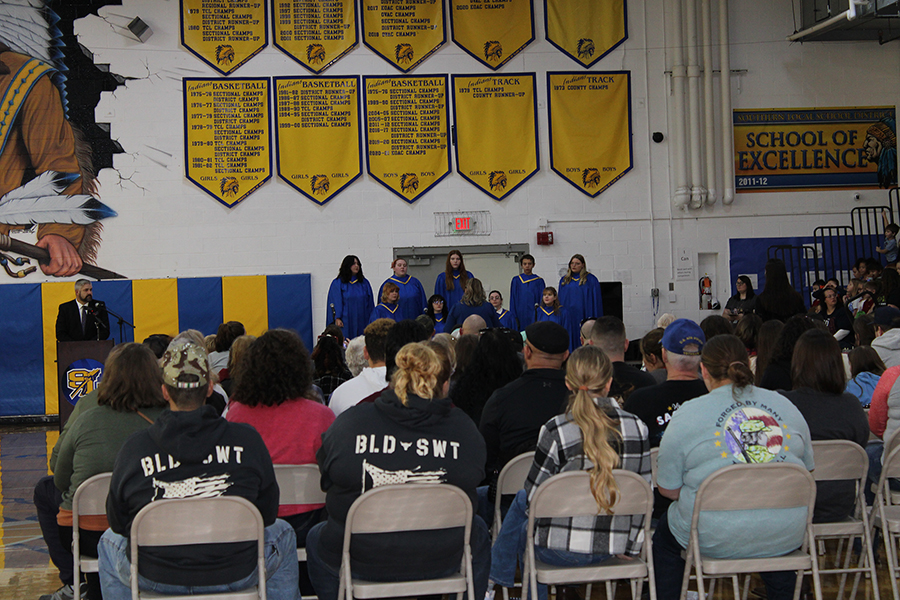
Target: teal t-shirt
{"type": "Point", "coordinates": [714, 431]}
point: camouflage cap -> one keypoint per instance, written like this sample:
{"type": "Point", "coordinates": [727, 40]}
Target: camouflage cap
{"type": "Point", "coordinates": [185, 365]}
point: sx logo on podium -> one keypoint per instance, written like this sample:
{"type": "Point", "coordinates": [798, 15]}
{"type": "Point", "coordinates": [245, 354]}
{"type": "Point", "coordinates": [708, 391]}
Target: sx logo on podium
{"type": "Point", "coordinates": [82, 378]}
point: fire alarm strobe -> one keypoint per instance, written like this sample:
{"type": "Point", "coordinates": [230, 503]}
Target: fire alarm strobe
{"type": "Point", "coordinates": [545, 238]}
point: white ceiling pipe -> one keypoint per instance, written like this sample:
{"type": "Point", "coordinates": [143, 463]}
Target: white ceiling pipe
{"type": "Point", "coordinates": [695, 137]}
{"type": "Point", "coordinates": [677, 147]}
{"type": "Point", "coordinates": [727, 119]}
{"type": "Point", "coordinates": [708, 102]}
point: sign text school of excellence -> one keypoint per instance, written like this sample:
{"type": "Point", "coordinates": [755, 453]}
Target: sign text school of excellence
{"type": "Point", "coordinates": [317, 134]}
{"type": "Point", "coordinates": [590, 127]}
{"type": "Point", "coordinates": [496, 130]}
{"type": "Point", "coordinates": [224, 35]}
{"type": "Point", "coordinates": [227, 136]}
{"type": "Point", "coordinates": [407, 128]}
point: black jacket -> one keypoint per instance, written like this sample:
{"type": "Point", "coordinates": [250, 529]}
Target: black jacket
{"type": "Point", "coordinates": [374, 444]}
{"type": "Point", "coordinates": [68, 324]}
{"type": "Point", "coordinates": [187, 455]}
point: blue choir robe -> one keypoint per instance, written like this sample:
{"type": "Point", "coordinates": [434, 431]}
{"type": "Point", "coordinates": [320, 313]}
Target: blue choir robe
{"type": "Point", "coordinates": [439, 323]}
{"type": "Point", "coordinates": [580, 302]}
{"type": "Point", "coordinates": [460, 312]}
{"type": "Point", "coordinates": [557, 316]}
{"type": "Point", "coordinates": [524, 292]}
{"type": "Point", "coordinates": [352, 304]}
{"type": "Point", "coordinates": [412, 297]}
{"type": "Point", "coordinates": [451, 297]}
{"type": "Point", "coordinates": [507, 319]}
{"type": "Point", "coordinates": [385, 311]}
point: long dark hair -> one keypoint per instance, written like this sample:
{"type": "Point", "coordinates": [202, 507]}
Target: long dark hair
{"type": "Point", "coordinates": [131, 380]}
{"type": "Point", "coordinates": [344, 272]}
{"type": "Point", "coordinates": [494, 363]}
{"type": "Point", "coordinates": [796, 326]}
{"type": "Point", "coordinates": [429, 309]}
{"type": "Point", "coordinates": [746, 281]}
{"type": "Point", "coordinates": [890, 281]}
{"type": "Point", "coordinates": [817, 363]}
{"type": "Point", "coordinates": [864, 359]}
{"type": "Point", "coordinates": [448, 271]}
{"type": "Point", "coordinates": [275, 368]}
{"type": "Point", "coordinates": [725, 357]}
{"type": "Point", "coordinates": [777, 294]}
{"type": "Point", "coordinates": [327, 357]}
{"type": "Point", "coordinates": [766, 341]}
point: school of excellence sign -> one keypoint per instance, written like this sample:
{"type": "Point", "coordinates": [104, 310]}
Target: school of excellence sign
{"type": "Point", "coordinates": [223, 34]}
{"type": "Point", "coordinates": [815, 148]}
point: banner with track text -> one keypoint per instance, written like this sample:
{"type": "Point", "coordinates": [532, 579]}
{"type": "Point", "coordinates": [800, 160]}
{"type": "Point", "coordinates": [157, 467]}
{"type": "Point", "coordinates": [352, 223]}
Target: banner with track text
{"type": "Point", "coordinates": [815, 148]}
{"type": "Point", "coordinates": [227, 136]}
{"type": "Point", "coordinates": [492, 31]}
{"type": "Point", "coordinates": [404, 32]}
{"type": "Point", "coordinates": [407, 128]}
{"type": "Point", "coordinates": [224, 35]}
{"type": "Point", "coordinates": [496, 131]}
{"type": "Point", "coordinates": [590, 127]}
{"type": "Point", "coordinates": [315, 34]}
{"type": "Point", "coordinates": [585, 30]}
{"type": "Point", "coordinates": [317, 134]}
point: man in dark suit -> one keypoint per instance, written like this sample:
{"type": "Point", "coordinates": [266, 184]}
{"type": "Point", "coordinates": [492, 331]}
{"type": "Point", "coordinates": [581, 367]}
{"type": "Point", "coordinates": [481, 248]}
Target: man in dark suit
{"type": "Point", "coordinates": [80, 319]}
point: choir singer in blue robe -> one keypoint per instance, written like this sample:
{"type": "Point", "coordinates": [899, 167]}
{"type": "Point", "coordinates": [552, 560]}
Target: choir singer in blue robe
{"type": "Point", "coordinates": [350, 298]}
{"type": "Point", "coordinates": [579, 294]}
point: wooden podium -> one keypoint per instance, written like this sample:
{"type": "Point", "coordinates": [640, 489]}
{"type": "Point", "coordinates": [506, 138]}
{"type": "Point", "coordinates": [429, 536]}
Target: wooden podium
{"type": "Point", "coordinates": [69, 354]}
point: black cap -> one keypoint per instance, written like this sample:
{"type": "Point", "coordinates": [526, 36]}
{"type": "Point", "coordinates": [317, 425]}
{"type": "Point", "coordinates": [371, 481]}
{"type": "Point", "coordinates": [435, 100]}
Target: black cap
{"type": "Point", "coordinates": [548, 337]}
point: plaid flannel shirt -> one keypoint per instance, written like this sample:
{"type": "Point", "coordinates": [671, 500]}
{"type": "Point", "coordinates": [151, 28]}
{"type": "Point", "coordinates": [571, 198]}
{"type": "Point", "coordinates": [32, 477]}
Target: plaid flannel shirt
{"type": "Point", "coordinates": [559, 450]}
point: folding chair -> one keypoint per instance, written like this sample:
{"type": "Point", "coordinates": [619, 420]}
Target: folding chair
{"type": "Point", "coordinates": [409, 507]}
{"type": "Point", "coordinates": [569, 495]}
{"type": "Point", "coordinates": [774, 485]}
{"type": "Point", "coordinates": [838, 460]}
{"type": "Point", "coordinates": [89, 499]}
{"type": "Point", "coordinates": [217, 520]}
{"type": "Point", "coordinates": [510, 481]}
{"type": "Point", "coordinates": [886, 510]}
{"type": "Point", "coordinates": [299, 484]}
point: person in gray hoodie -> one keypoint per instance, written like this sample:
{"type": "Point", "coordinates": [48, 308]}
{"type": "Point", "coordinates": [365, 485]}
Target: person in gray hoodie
{"type": "Point", "coordinates": [887, 335]}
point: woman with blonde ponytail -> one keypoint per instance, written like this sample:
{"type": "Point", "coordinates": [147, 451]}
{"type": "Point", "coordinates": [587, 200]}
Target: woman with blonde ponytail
{"type": "Point", "coordinates": [411, 434]}
{"type": "Point", "coordinates": [594, 435]}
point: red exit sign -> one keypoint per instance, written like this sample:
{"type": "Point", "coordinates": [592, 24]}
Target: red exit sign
{"type": "Point", "coordinates": [462, 223]}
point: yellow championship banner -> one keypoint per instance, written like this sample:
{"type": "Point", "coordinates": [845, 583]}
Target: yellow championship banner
{"type": "Point", "coordinates": [590, 127]}
{"type": "Point", "coordinates": [406, 132]}
{"type": "Point", "coordinates": [492, 31]}
{"type": "Point", "coordinates": [815, 148]}
{"type": "Point", "coordinates": [317, 134]}
{"type": "Point", "coordinates": [585, 30]}
{"type": "Point", "coordinates": [227, 136]}
{"type": "Point", "coordinates": [404, 32]}
{"type": "Point", "coordinates": [315, 34]}
{"type": "Point", "coordinates": [223, 34]}
{"type": "Point", "coordinates": [496, 131]}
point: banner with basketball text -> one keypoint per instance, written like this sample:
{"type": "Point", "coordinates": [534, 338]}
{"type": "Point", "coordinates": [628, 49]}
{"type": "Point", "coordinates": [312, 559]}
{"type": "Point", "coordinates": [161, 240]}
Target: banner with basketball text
{"type": "Point", "coordinates": [590, 127]}
{"type": "Point", "coordinates": [224, 35]}
{"type": "Point", "coordinates": [815, 148]}
{"type": "Point", "coordinates": [404, 32]}
{"type": "Point", "coordinates": [317, 134]}
{"type": "Point", "coordinates": [492, 31]}
{"type": "Point", "coordinates": [227, 137]}
{"type": "Point", "coordinates": [585, 30]}
{"type": "Point", "coordinates": [407, 128]}
{"type": "Point", "coordinates": [496, 131]}
{"type": "Point", "coordinates": [315, 34]}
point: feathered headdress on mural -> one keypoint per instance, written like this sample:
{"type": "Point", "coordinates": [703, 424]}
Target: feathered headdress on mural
{"type": "Point", "coordinates": [29, 27]}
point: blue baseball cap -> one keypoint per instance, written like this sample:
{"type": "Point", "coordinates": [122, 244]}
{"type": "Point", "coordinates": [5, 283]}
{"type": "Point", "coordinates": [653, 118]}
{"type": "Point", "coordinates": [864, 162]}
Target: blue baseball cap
{"type": "Point", "coordinates": [682, 333]}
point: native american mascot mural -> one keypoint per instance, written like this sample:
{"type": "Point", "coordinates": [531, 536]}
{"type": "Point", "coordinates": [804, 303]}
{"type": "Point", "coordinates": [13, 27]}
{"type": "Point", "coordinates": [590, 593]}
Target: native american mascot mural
{"type": "Point", "coordinates": [47, 183]}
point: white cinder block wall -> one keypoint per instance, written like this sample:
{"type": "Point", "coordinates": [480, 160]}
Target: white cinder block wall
{"type": "Point", "coordinates": [167, 227]}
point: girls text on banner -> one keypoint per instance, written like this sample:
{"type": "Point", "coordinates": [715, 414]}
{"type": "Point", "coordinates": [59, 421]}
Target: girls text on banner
{"type": "Point", "coordinates": [404, 32]}
{"type": "Point", "coordinates": [316, 35]}
{"type": "Point", "coordinates": [221, 34]}
{"type": "Point", "coordinates": [585, 30]}
{"type": "Point", "coordinates": [227, 136]}
{"type": "Point", "coordinates": [492, 31]}
{"type": "Point", "coordinates": [317, 134]}
{"type": "Point", "coordinates": [815, 148]}
{"type": "Point", "coordinates": [496, 131]}
{"type": "Point", "coordinates": [406, 132]}
{"type": "Point", "coordinates": [590, 127]}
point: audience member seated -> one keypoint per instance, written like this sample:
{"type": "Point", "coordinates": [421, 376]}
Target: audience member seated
{"type": "Point", "coordinates": [837, 318]}
{"type": "Point", "coordinates": [473, 302]}
{"type": "Point", "coordinates": [777, 374]}
{"type": "Point", "coordinates": [196, 453]}
{"type": "Point", "coordinates": [158, 342]}
{"type": "Point", "coordinates": [585, 333]}
{"type": "Point", "coordinates": [230, 374]}
{"type": "Point", "coordinates": [371, 379]}
{"type": "Point", "coordinates": [271, 395]}
{"type": "Point", "coordinates": [413, 411]}
{"type": "Point", "coordinates": [735, 423]}
{"type": "Point", "coordinates": [426, 323]}
{"type": "Point", "coordinates": [355, 355]}
{"type": "Point", "coordinates": [747, 329]}
{"type": "Point", "coordinates": [817, 372]}
{"type": "Point", "coordinates": [494, 364]}
{"type": "Point", "coordinates": [219, 398]}
{"type": "Point", "coordinates": [593, 435]}
{"type": "Point", "coordinates": [128, 400]}
{"type": "Point", "coordinates": [651, 354]}
{"type": "Point", "coordinates": [743, 302]}
{"type": "Point", "coordinates": [778, 300]}
{"type": "Point", "coordinates": [225, 336]}
{"type": "Point", "coordinates": [472, 325]}
{"type": "Point", "coordinates": [465, 347]}
{"type": "Point", "coordinates": [866, 369]}
{"type": "Point", "coordinates": [405, 332]}
{"type": "Point", "coordinates": [884, 420]}
{"type": "Point", "coordinates": [330, 368]}
{"type": "Point", "coordinates": [608, 334]}
{"type": "Point", "coordinates": [766, 342]}
{"type": "Point", "coordinates": [714, 325]}
{"type": "Point", "coordinates": [887, 335]}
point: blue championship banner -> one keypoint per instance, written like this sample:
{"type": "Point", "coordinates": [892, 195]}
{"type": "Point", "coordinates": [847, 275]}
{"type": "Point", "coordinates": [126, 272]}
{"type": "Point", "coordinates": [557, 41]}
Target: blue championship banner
{"type": "Point", "coordinates": [815, 148]}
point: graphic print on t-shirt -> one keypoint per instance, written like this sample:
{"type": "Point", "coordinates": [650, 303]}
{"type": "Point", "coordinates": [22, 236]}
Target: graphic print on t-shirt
{"type": "Point", "coordinates": [382, 477]}
{"type": "Point", "coordinates": [193, 487]}
{"type": "Point", "coordinates": [751, 434]}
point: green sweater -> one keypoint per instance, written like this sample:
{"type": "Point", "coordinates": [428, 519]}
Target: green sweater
{"type": "Point", "coordinates": [87, 401]}
{"type": "Point", "coordinates": [91, 444]}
